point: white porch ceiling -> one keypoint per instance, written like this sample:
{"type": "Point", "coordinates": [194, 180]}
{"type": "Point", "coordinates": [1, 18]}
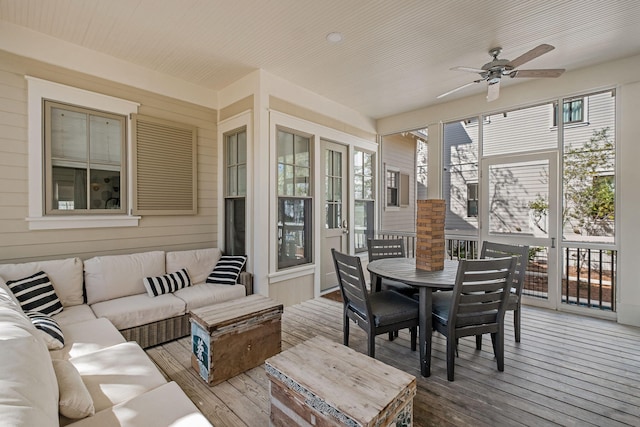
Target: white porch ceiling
{"type": "Point", "coordinates": [395, 57]}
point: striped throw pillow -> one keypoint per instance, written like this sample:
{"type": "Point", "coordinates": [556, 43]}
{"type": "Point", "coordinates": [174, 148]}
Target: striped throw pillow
{"type": "Point", "coordinates": [49, 329]}
{"type": "Point", "coordinates": [168, 283]}
{"type": "Point", "coordinates": [36, 293]}
{"type": "Point", "coordinates": [227, 269]}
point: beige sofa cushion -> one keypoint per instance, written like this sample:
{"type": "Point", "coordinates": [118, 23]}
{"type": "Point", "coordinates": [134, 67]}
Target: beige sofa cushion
{"type": "Point", "coordinates": [115, 276]}
{"type": "Point", "coordinates": [137, 310]}
{"type": "Point", "coordinates": [166, 405]}
{"type": "Point", "coordinates": [29, 391]}
{"type": "Point", "coordinates": [209, 293]}
{"type": "Point", "coordinates": [75, 314]}
{"type": "Point", "coordinates": [198, 262]}
{"type": "Point", "coordinates": [87, 337]}
{"type": "Point", "coordinates": [118, 373]}
{"type": "Point", "coordinates": [65, 276]}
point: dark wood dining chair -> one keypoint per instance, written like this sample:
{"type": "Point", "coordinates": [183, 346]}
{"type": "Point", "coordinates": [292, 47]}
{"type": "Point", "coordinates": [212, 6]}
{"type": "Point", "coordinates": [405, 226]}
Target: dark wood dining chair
{"type": "Point", "coordinates": [476, 305]}
{"type": "Point", "coordinates": [377, 313]}
{"type": "Point", "coordinates": [388, 248]}
{"type": "Point", "coordinates": [497, 250]}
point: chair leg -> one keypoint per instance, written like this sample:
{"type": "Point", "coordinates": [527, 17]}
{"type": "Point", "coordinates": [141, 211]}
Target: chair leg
{"type": "Point", "coordinates": [391, 336]}
{"type": "Point", "coordinates": [498, 348]}
{"type": "Point", "coordinates": [371, 344]}
{"type": "Point", "coordinates": [451, 353]}
{"type": "Point", "coordinates": [345, 330]}
{"type": "Point", "coordinates": [414, 336]}
{"type": "Point", "coordinates": [516, 323]}
{"type": "Point", "coordinates": [478, 342]}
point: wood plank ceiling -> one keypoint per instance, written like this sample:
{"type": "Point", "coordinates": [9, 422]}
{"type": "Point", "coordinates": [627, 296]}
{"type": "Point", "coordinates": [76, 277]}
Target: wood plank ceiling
{"type": "Point", "coordinates": [395, 56]}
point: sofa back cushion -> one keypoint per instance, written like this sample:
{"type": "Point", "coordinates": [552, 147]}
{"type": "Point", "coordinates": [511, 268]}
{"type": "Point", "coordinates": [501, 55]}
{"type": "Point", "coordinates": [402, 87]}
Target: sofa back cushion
{"type": "Point", "coordinates": [65, 276]}
{"type": "Point", "coordinates": [115, 276]}
{"type": "Point", "coordinates": [198, 262]}
{"type": "Point", "coordinates": [29, 392]}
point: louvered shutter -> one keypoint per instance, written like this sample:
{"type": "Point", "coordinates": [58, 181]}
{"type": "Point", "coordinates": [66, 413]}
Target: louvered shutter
{"type": "Point", "coordinates": [165, 167]}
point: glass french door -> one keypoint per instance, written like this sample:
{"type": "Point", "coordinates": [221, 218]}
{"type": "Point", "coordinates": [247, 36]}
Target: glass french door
{"type": "Point", "coordinates": [519, 205]}
{"type": "Point", "coordinates": [335, 204]}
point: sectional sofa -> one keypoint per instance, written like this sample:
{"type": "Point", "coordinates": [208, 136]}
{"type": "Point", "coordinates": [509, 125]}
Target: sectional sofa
{"type": "Point", "coordinates": [83, 362]}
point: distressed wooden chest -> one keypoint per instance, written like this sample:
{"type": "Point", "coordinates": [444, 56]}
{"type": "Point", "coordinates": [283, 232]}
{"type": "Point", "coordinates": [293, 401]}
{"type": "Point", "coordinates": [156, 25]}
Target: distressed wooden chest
{"type": "Point", "coordinates": [230, 337]}
{"type": "Point", "coordinates": [323, 383]}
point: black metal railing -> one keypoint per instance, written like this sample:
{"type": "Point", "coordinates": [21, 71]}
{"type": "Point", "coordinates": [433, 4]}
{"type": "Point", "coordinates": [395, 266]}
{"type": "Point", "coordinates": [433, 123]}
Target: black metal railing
{"type": "Point", "coordinates": [588, 274]}
{"type": "Point", "coordinates": [589, 277]}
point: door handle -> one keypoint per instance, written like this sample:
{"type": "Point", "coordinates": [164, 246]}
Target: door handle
{"type": "Point", "coordinates": [345, 227]}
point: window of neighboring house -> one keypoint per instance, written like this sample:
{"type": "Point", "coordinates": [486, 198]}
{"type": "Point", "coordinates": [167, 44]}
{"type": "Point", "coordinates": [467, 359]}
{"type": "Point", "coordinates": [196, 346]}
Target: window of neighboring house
{"type": "Point", "coordinates": [393, 186]}
{"type": "Point", "coordinates": [235, 146]}
{"type": "Point", "coordinates": [472, 199]}
{"type": "Point", "coordinates": [572, 111]}
{"type": "Point", "coordinates": [84, 160]}
{"type": "Point", "coordinates": [364, 199]}
{"type": "Point", "coordinates": [294, 199]}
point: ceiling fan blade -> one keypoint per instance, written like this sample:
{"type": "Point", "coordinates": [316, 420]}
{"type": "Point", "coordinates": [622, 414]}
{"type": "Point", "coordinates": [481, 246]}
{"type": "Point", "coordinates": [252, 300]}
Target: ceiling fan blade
{"type": "Point", "coordinates": [532, 54]}
{"type": "Point", "coordinates": [468, 69]}
{"type": "Point", "coordinates": [458, 88]}
{"type": "Point", "coordinates": [549, 72]}
{"type": "Point", "coordinates": [493, 91]}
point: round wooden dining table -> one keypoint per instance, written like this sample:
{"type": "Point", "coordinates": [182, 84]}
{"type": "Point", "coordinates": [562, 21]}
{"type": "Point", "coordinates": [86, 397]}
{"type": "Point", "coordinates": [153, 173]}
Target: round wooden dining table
{"type": "Point", "coordinates": [404, 270]}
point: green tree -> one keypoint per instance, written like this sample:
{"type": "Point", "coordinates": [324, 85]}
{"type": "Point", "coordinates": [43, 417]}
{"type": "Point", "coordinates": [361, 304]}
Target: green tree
{"type": "Point", "coordinates": [589, 187]}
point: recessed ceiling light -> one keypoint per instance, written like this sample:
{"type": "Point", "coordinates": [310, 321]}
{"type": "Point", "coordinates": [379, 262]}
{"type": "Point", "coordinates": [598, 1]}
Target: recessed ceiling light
{"type": "Point", "coordinates": [334, 37]}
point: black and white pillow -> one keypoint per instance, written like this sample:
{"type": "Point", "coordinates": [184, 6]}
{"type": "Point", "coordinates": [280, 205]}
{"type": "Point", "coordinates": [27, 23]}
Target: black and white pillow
{"type": "Point", "coordinates": [36, 293]}
{"type": "Point", "coordinates": [227, 269]}
{"type": "Point", "coordinates": [168, 283]}
{"type": "Point", "coordinates": [49, 329]}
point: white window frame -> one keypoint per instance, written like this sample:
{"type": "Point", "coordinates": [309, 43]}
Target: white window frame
{"type": "Point", "coordinates": [238, 121]}
{"type": "Point", "coordinates": [38, 90]}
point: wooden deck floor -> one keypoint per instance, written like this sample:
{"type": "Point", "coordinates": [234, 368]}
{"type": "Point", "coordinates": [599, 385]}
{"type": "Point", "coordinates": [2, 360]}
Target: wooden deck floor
{"type": "Point", "coordinates": [568, 370]}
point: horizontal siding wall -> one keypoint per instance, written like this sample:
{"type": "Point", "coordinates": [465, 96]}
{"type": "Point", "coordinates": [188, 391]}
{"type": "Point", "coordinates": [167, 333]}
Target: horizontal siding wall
{"type": "Point", "coordinates": [398, 153]}
{"type": "Point", "coordinates": [18, 243]}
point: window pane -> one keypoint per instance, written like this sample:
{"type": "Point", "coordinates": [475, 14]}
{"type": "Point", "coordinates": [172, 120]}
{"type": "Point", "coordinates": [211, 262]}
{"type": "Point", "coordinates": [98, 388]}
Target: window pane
{"type": "Point", "coordinates": [358, 187]}
{"type": "Point", "coordinates": [337, 163]}
{"type": "Point", "coordinates": [235, 226]}
{"type": "Point", "coordinates": [294, 232]}
{"type": "Point", "coordinates": [242, 147]}
{"type": "Point", "coordinates": [337, 189]}
{"type": "Point", "coordinates": [232, 149]}
{"type": "Point", "coordinates": [301, 150]}
{"type": "Point", "coordinates": [285, 147]}
{"type": "Point", "coordinates": [105, 141]}
{"type": "Point", "coordinates": [69, 188]}
{"type": "Point", "coordinates": [232, 182]}
{"type": "Point", "coordinates": [242, 180]}
{"type": "Point", "coordinates": [363, 223]}
{"type": "Point", "coordinates": [358, 161]}
{"type": "Point", "coordinates": [367, 188]}
{"type": "Point", "coordinates": [103, 186]}
{"type": "Point", "coordinates": [302, 181]}
{"type": "Point", "coordinates": [288, 181]}
{"type": "Point", "coordinates": [368, 164]}
{"type": "Point", "coordinates": [68, 135]}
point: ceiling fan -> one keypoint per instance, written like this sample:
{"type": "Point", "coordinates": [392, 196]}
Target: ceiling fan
{"type": "Point", "coordinates": [493, 71]}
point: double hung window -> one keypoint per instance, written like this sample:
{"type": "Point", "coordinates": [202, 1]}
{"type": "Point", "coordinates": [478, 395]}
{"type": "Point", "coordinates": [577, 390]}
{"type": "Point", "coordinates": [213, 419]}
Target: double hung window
{"type": "Point", "coordinates": [364, 199]}
{"type": "Point", "coordinates": [84, 160]}
{"type": "Point", "coordinates": [294, 199]}
{"type": "Point", "coordinates": [236, 191]}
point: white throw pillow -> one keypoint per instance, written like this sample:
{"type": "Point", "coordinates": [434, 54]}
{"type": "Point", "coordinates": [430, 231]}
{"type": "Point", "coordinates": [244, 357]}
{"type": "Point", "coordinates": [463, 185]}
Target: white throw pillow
{"type": "Point", "coordinates": [198, 262]}
{"type": "Point", "coordinates": [75, 401]}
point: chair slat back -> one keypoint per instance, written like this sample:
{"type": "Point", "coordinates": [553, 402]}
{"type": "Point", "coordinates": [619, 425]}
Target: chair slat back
{"type": "Point", "coordinates": [385, 248]}
{"type": "Point", "coordinates": [352, 283]}
{"type": "Point", "coordinates": [498, 250]}
{"type": "Point", "coordinates": [480, 292]}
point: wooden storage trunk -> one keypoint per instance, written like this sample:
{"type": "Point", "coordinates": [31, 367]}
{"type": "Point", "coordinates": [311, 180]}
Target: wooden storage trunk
{"type": "Point", "coordinates": [323, 383]}
{"type": "Point", "coordinates": [230, 337]}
